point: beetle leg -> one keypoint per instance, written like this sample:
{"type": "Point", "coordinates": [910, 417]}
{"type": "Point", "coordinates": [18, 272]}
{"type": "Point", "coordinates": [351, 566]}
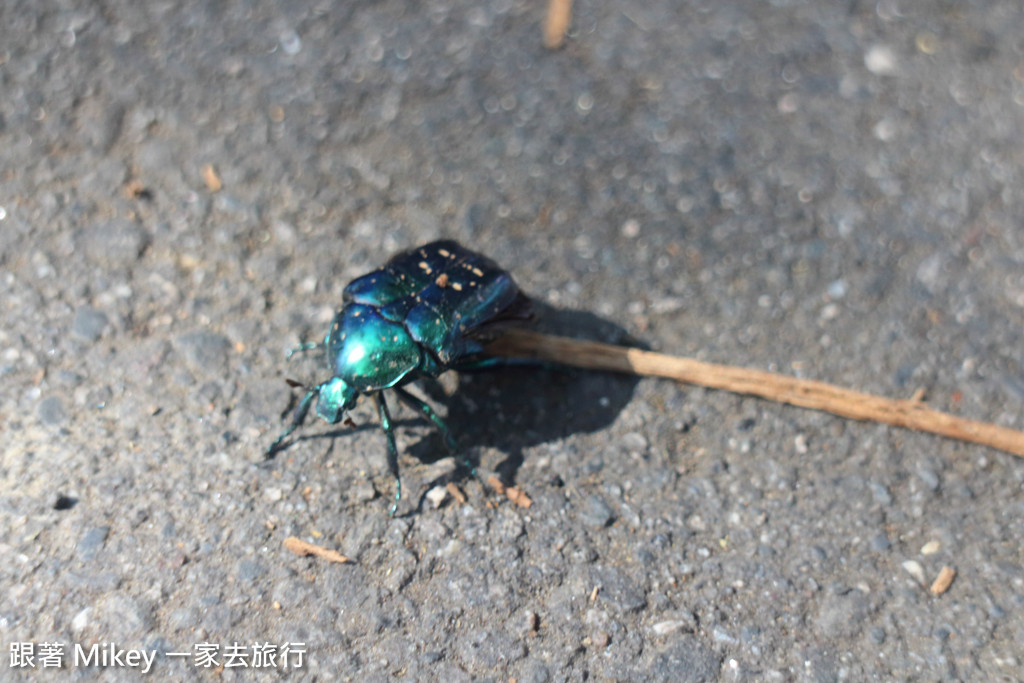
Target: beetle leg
{"type": "Point", "coordinates": [297, 419]}
{"type": "Point", "coordinates": [426, 411]}
{"type": "Point", "coordinates": [389, 432]}
{"type": "Point", "coordinates": [302, 348]}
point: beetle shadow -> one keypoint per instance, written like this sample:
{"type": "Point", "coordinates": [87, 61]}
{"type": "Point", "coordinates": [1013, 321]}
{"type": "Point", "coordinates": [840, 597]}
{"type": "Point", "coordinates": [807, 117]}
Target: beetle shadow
{"type": "Point", "coordinates": [513, 408]}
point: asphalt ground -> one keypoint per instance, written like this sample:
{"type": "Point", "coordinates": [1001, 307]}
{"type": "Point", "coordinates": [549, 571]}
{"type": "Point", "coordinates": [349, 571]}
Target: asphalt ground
{"type": "Point", "coordinates": [826, 189]}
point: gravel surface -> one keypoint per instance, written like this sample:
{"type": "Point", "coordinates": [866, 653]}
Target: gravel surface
{"type": "Point", "coordinates": [827, 189]}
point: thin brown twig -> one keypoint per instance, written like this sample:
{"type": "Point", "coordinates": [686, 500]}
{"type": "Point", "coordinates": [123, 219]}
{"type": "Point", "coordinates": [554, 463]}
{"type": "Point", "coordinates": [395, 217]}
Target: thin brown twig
{"type": "Point", "coordinates": [913, 414]}
{"type": "Point", "coordinates": [303, 549]}
{"type": "Point", "coordinates": [556, 24]}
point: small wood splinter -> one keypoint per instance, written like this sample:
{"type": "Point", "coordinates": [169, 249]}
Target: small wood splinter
{"type": "Point", "coordinates": [556, 23]}
{"type": "Point", "coordinates": [911, 413]}
{"type": "Point", "coordinates": [943, 581]}
{"type": "Point", "coordinates": [517, 496]}
{"type": "Point", "coordinates": [304, 549]}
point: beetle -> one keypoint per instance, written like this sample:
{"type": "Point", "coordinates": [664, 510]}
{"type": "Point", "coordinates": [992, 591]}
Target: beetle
{"type": "Point", "coordinates": [427, 310]}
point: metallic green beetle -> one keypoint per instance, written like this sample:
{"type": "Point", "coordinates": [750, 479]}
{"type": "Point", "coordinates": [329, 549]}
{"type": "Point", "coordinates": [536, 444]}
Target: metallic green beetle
{"type": "Point", "coordinates": [426, 311]}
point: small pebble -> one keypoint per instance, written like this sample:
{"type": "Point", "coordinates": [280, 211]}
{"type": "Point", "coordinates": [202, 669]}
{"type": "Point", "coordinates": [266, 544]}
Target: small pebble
{"type": "Point", "coordinates": [880, 60]}
{"type": "Point", "coordinates": [291, 44]}
{"type": "Point", "coordinates": [89, 324]}
{"type": "Point", "coordinates": [91, 543]}
{"type": "Point", "coordinates": [722, 636]}
{"type": "Point", "coordinates": [930, 548]}
{"type": "Point", "coordinates": [663, 628]}
{"type": "Point", "coordinates": [596, 513]}
{"type": "Point", "coordinates": [631, 228]}
{"type": "Point", "coordinates": [363, 492]}
{"type": "Point", "coordinates": [880, 543]}
{"type": "Point", "coordinates": [64, 503]}
{"type": "Point", "coordinates": [634, 442]}
{"type": "Point", "coordinates": [118, 242]}
{"type": "Point", "coordinates": [880, 493]}
{"type": "Point", "coordinates": [205, 350]}
{"type": "Point", "coordinates": [526, 623]}
{"type": "Point", "coordinates": [837, 290]}
{"type": "Point", "coordinates": [750, 634]}
{"type": "Point", "coordinates": [437, 496]}
{"type": "Point", "coordinates": [914, 569]}
{"type": "Point", "coordinates": [696, 522]}
{"type": "Point", "coordinates": [81, 620]}
{"type": "Point", "coordinates": [929, 477]}
{"type": "Point", "coordinates": [51, 411]}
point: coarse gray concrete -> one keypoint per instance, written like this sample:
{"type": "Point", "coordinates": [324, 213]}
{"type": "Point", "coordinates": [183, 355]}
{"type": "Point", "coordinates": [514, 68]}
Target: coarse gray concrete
{"type": "Point", "coordinates": [829, 189]}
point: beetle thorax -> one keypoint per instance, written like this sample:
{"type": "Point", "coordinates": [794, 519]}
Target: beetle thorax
{"type": "Point", "coordinates": [368, 351]}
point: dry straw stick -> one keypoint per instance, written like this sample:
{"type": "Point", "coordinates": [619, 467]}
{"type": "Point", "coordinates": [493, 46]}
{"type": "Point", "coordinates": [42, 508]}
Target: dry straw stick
{"type": "Point", "coordinates": [556, 24]}
{"type": "Point", "coordinates": [798, 392]}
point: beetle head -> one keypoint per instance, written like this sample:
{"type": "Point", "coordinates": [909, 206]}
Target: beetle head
{"type": "Point", "coordinates": [336, 398]}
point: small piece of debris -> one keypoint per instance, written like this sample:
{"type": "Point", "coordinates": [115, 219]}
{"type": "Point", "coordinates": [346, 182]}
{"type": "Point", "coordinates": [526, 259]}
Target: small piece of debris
{"type": "Point", "coordinates": [663, 628]}
{"type": "Point", "coordinates": [943, 581]}
{"type": "Point", "coordinates": [930, 548]}
{"type": "Point", "coordinates": [304, 549]}
{"type": "Point", "coordinates": [532, 621]}
{"type": "Point", "coordinates": [136, 190]}
{"type": "Point", "coordinates": [837, 290]}
{"type": "Point", "coordinates": [880, 60]}
{"type": "Point", "coordinates": [437, 496]}
{"type": "Point", "coordinates": [210, 177]}
{"type": "Point", "coordinates": [456, 492]}
{"type": "Point", "coordinates": [630, 229]}
{"type": "Point", "coordinates": [514, 494]}
{"type": "Point", "coordinates": [518, 497]}
{"type": "Point", "coordinates": [915, 569]}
